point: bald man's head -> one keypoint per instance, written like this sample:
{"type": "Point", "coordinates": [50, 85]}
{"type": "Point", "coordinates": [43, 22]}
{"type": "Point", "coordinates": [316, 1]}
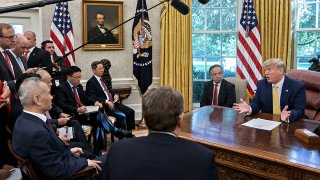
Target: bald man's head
{"type": "Point", "coordinates": [31, 36]}
{"type": "Point", "coordinates": [21, 45]}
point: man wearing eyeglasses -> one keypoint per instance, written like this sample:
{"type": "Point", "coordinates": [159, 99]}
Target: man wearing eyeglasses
{"type": "Point", "coordinates": [7, 73]}
{"type": "Point", "coordinates": [218, 92]}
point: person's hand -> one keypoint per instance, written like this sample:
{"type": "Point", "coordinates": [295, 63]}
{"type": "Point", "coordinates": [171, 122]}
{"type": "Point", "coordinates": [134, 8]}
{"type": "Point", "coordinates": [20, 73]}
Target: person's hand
{"type": "Point", "coordinates": [7, 167]}
{"type": "Point", "coordinates": [64, 115]}
{"type": "Point", "coordinates": [285, 114]}
{"type": "Point", "coordinates": [82, 109]}
{"type": "Point", "coordinates": [63, 121]}
{"type": "Point", "coordinates": [76, 151]}
{"type": "Point", "coordinates": [98, 104]}
{"type": "Point", "coordinates": [63, 138]}
{"type": "Point", "coordinates": [241, 107]}
{"type": "Point", "coordinates": [4, 173]}
{"type": "Point", "coordinates": [5, 90]}
{"type": "Point", "coordinates": [110, 105]}
{"type": "Point", "coordinates": [31, 70]}
{"type": "Point", "coordinates": [95, 164]}
{"type": "Point", "coordinates": [116, 98]}
{"type": "Point", "coordinates": [56, 66]}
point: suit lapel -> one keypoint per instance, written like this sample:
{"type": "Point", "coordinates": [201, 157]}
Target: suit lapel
{"type": "Point", "coordinates": [16, 68]}
{"type": "Point", "coordinates": [222, 92]}
{"type": "Point", "coordinates": [284, 93]}
{"type": "Point", "coordinates": [3, 60]}
{"type": "Point", "coordinates": [97, 84]}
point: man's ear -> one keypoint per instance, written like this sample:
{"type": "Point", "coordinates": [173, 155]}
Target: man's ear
{"type": "Point", "coordinates": [36, 99]}
{"type": "Point", "coordinates": [179, 124]}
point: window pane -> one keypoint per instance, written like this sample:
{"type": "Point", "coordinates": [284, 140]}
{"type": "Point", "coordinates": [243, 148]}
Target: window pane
{"type": "Point", "coordinates": [18, 28]}
{"type": "Point", "coordinates": [198, 43]}
{"type": "Point", "coordinates": [197, 91]}
{"type": "Point", "coordinates": [307, 15]}
{"type": "Point", "coordinates": [302, 63]}
{"type": "Point", "coordinates": [229, 3]}
{"type": "Point", "coordinates": [306, 43]}
{"type": "Point", "coordinates": [213, 45]}
{"type": "Point", "coordinates": [229, 19]}
{"type": "Point", "coordinates": [213, 19]}
{"type": "Point", "coordinates": [229, 44]}
{"type": "Point", "coordinates": [229, 66]}
{"type": "Point", "coordinates": [198, 18]}
{"type": "Point", "coordinates": [198, 69]}
{"type": "Point", "coordinates": [213, 3]}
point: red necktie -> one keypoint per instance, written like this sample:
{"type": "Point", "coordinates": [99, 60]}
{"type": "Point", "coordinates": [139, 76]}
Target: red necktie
{"type": "Point", "coordinates": [26, 55]}
{"type": "Point", "coordinates": [8, 62]}
{"type": "Point", "coordinates": [106, 89]}
{"type": "Point", "coordinates": [215, 95]}
{"type": "Point", "coordinates": [76, 97]}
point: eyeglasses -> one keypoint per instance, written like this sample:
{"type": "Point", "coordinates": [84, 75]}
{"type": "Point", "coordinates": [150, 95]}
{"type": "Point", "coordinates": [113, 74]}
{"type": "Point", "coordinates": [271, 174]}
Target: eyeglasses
{"type": "Point", "coordinates": [216, 74]}
{"type": "Point", "coordinates": [10, 37]}
{"type": "Point", "coordinates": [76, 77]}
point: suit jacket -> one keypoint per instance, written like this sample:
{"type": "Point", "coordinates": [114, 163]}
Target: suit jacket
{"type": "Point", "coordinates": [64, 98]}
{"type": "Point", "coordinates": [61, 63]}
{"type": "Point", "coordinates": [293, 94]}
{"type": "Point", "coordinates": [33, 141]}
{"type": "Point", "coordinates": [108, 38]}
{"type": "Point", "coordinates": [40, 58]}
{"type": "Point", "coordinates": [5, 73]}
{"type": "Point", "coordinates": [159, 156]}
{"type": "Point", "coordinates": [226, 97]}
{"type": "Point", "coordinates": [95, 91]}
{"type": "Point", "coordinates": [24, 62]}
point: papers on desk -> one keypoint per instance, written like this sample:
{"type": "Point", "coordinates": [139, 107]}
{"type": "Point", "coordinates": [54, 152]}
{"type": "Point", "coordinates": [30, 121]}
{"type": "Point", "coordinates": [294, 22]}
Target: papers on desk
{"type": "Point", "coordinates": [66, 131]}
{"type": "Point", "coordinates": [262, 124]}
{"type": "Point", "coordinates": [91, 109]}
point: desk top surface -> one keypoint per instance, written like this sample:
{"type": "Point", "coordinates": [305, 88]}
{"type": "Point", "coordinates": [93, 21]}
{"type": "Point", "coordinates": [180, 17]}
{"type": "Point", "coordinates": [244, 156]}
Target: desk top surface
{"type": "Point", "coordinates": [222, 127]}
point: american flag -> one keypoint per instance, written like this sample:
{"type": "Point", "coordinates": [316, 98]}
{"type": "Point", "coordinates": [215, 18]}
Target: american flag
{"type": "Point", "coordinates": [61, 33]}
{"type": "Point", "coordinates": [249, 47]}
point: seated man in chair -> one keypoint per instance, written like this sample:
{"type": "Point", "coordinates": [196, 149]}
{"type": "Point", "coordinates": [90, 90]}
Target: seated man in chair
{"type": "Point", "coordinates": [98, 90]}
{"type": "Point", "coordinates": [34, 140]}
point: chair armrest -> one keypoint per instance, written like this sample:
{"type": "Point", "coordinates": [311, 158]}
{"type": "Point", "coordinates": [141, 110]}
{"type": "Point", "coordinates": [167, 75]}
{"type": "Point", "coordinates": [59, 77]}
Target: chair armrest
{"type": "Point", "coordinates": [88, 171]}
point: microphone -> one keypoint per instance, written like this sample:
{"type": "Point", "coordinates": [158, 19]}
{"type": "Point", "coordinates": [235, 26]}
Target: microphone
{"type": "Point", "coordinates": [23, 6]}
{"type": "Point", "coordinates": [180, 6]}
{"type": "Point", "coordinates": [203, 1]}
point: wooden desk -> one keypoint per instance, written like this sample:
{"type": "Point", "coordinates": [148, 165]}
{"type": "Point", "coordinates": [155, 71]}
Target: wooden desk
{"type": "Point", "coordinates": [247, 153]}
{"type": "Point", "coordinates": [123, 90]}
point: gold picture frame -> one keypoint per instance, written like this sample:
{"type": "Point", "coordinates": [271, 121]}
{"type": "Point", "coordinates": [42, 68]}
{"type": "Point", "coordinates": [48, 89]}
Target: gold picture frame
{"type": "Point", "coordinates": [93, 25]}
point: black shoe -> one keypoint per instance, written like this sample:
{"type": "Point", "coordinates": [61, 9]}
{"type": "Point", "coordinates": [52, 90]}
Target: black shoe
{"type": "Point", "coordinates": [123, 133]}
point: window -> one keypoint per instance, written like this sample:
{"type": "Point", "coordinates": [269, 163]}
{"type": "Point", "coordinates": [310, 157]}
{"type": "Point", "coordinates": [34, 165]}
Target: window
{"type": "Point", "coordinates": [214, 40]}
{"type": "Point", "coordinates": [307, 31]}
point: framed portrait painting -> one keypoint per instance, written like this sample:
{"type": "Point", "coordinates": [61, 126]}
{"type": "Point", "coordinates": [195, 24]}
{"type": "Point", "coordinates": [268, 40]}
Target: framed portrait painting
{"type": "Point", "coordinates": [99, 21]}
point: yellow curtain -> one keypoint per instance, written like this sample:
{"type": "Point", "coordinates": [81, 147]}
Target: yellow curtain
{"type": "Point", "coordinates": [176, 52]}
{"type": "Point", "coordinates": [275, 28]}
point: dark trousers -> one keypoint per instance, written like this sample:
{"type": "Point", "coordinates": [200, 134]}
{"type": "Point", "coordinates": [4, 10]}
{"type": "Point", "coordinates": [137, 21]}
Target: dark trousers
{"type": "Point", "coordinates": [130, 119]}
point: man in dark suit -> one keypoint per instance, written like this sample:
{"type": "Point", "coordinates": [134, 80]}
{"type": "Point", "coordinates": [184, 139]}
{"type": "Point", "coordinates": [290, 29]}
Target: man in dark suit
{"type": "Point", "coordinates": [277, 94]}
{"type": "Point", "coordinates": [161, 154]}
{"type": "Point", "coordinates": [97, 89]}
{"type": "Point", "coordinates": [21, 46]}
{"type": "Point", "coordinates": [34, 140]}
{"type": "Point", "coordinates": [59, 66]}
{"type": "Point", "coordinates": [9, 68]}
{"type": "Point", "coordinates": [35, 56]}
{"type": "Point", "coordinates": [218, 91]}
{"type": "Point", "coordinates": [99, 29]}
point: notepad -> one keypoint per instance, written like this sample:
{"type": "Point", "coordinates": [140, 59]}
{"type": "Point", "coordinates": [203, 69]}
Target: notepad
{"type": "Point", "coordinates": [66, 131]}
